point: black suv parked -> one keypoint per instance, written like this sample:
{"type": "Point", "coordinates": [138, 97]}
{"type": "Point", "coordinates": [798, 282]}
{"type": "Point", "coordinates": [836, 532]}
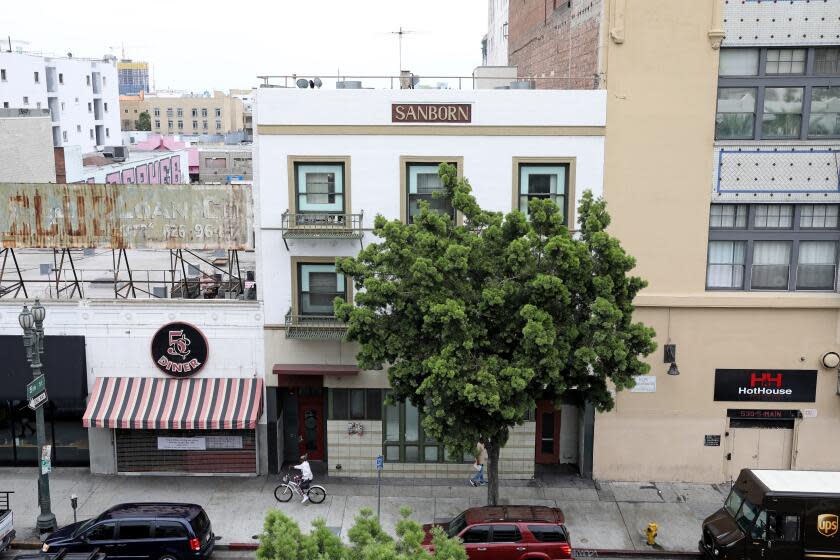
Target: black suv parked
{"type": "Point", "coordinates": [141, 531]}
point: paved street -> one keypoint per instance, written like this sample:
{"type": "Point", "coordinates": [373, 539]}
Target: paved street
{"type": "Point", "coordinates": [609, 515]}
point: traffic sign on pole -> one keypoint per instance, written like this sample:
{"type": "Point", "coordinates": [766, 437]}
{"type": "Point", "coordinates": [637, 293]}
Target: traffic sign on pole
{"type": "Point", "coordinates": [38, 401]}
{"type": "Point", "coordinates": [37, 385]}
{"type": "Point", "coordinates": [380, 462]}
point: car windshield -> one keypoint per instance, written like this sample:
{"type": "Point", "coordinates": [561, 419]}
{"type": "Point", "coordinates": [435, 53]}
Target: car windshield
{"type": "Point", "coordinates": [83, 527]}
{"type": "Point", "coordinates": [733, 502]}
{"type": "Point", "coordinates": [456, 525]}
{"type": "Point", "coordinates": [746, 515]}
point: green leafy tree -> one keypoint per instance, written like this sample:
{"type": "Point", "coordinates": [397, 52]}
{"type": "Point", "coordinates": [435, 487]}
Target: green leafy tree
{"type": "Point", "coordinates": [476, 322]}
{"type": "Point", "coordinates": [282, 539]}
{"type": "Point", "coordinates": [144, 121]}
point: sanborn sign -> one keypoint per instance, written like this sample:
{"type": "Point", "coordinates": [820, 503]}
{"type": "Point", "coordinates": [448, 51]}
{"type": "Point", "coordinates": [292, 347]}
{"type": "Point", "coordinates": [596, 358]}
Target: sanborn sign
{"type": "Point", "coordinates": [431, 113]}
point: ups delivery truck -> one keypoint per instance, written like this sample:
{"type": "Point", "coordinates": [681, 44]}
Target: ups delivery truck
{"type": "Point", "coordinates": [776, 515]}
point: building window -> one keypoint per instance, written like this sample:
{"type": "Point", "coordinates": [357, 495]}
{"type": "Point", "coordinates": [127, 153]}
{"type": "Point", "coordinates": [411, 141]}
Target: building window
{"type": "Point", "coordinates": [204, 112]}
{"type": "Point", "coordinates": [728, 216]}
{"type": "Point", "coordinates": [405, 441]}
{"type": "Point", "coordinates": [180, 125]}
{"type": "Point", "coordinates": [355, 404]}
{"type": "Point", "coordinates": [90, 107]}
{"type": "Point", "coordinates": [157, 112]}
{"type": "Point", "coordinates": [194, 113]}
{"type": "Point", "coordinates": [87, 78]}
{"type": "Point", "coordinates": [319, 187]}
{"type": "Point", "coordinates": [104, 81]}
{"type": "Point", "coordinates": [61, 78]}
{"type": "Point", "coordinates": [735, 118]}
{"type": "Point", "coordinates": [215, 162]}
{"type": "Point", "coordinates": [5, 104]}
{"type": "Point", "coordinates": [817, 265]}
{"type": "Point", "coordinates": [785, 61]}
{"type": "Point", "coordinates": [758, 255]}
{"type": "Point", "coordinates": [738, 62]}
{"type": "Point", "coordinates": [107, 132]}
{"type": "Point", "coordinates": [771, 265]}
{"type": "Point", "coordinates": [543, 181]}
{"type": "Point", "coordinates": [62, 105]}
{"type": "Point", "coordinates": [157, 124]}
{"type": "Point", "coordinates": [126, 111]}
{"type": "Point", "coordinates": [37, 78]}
{"type": "Point", "coordinates": [2, 74]}
{"type": "Point", "coordinates": [773, 216]}
{"type": "Point", "coordinates": [64, 135]}
{"type": "Point", "coordinates": [91, 134]}
{"type": "Point", "coordinates": [424, 184]}
{"type": "Point", "coordinates": [218, 112]}
{"type": "Point", "coordinates": [180, 112]}
{"type": "Point", "coordinates": [78, 128]}
{"type": "Point", "coordinates": [218, 125]}
{"type": "Point", "coordinates": [825, 112]}
{"type": "Point", "coordinates": [25, 100]}
{"type": "Point", "coordinates": [169, 112]}
{"type": "Point", "coordinates": [38, 104]}
{"type": "Point", "coordinates": [105, 106]}
{"type": "Point", "coordinates": [818, 216]}
{"type": "Point", "coordinates": [318, 286]}
{"type": "Point", "coordinates": [827, 61]}
{"type": "Point", "coordinates": [204, 125]}
{"type": "Point", "coordinates": [782, 113]}
{"type": "Point", "coordinates": [789, 84]}
{"type": "Point", "coordinates": [169, 124]}
{"type": "Point", "coordinates": [726, 264]}
{"type": "Point", "coordinates": [195, 124]}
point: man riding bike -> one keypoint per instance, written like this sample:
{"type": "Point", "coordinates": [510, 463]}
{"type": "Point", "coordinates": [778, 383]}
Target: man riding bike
{"type": "Point", "coordinates": [305, 476]}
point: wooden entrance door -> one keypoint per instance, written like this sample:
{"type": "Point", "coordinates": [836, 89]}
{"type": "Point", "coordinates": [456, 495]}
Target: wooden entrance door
{"type": "Point", "coordinates": [311, 425]}
{"type": "Point", "coordinates": [547, 450]}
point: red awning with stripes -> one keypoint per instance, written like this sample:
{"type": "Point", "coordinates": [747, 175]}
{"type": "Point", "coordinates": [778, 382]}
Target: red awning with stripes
{"type": "Point", "coordinates": [152, 403]}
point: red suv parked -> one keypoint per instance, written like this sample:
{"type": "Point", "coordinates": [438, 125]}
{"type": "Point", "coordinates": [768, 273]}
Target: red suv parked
{"type": "Point", "coordinates": [509, 533]}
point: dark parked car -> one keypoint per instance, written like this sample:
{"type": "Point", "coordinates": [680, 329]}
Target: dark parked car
{"type": "Point", "coordinates": [509, 533]}
{"type": "Point", "coordinates": [63, 554]}
{"type": "Point", "coordinates": [140, 531]}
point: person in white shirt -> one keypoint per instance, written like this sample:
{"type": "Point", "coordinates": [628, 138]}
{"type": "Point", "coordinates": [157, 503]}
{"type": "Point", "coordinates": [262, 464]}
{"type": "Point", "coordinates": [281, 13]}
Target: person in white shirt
{"type": "Point", "coordinates": [305, 475]}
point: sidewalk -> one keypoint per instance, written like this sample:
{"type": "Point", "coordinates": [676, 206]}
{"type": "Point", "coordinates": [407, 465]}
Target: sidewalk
{"type": "Point", "coordinates": [599, 515]}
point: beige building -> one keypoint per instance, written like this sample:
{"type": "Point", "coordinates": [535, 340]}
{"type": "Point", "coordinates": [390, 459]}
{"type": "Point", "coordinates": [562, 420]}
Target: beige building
{"type": "Point", "coordinates": [721, 174]}
{"type": "Point", "coordinates": [220, 113]}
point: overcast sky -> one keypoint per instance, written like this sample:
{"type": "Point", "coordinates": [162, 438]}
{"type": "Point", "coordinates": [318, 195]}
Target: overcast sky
{"type": "Point", "coordinates": [205, 44]}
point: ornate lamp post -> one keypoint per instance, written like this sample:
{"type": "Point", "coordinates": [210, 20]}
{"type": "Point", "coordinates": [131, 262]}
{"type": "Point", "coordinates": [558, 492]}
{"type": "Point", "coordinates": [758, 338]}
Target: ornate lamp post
{"type": "Point", "coordinates": [32, 323]}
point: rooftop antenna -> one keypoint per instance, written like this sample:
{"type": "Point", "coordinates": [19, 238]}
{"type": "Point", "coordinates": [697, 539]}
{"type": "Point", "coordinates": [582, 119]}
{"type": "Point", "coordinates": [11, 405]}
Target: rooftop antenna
{"type": "Point", "coordinates": [400, 34]}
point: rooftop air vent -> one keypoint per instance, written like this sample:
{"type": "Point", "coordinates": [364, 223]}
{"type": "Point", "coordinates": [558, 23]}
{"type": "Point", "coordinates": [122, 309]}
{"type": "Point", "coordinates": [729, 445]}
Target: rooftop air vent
{"type": "Point", "coordinates": [348, 84]}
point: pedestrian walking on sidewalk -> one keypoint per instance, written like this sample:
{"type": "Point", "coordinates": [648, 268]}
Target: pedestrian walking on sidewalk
{"type": "Point", "coordinates": [480, 464]}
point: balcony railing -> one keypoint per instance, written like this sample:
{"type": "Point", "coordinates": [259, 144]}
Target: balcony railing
{"type": "Point", "coordinates": [321, 225]}
{"type": "Point", "coordinates": [314, 327]}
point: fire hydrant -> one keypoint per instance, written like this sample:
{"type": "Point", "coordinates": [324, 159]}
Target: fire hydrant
{"type": "Point", "coordinates": [650, 533]}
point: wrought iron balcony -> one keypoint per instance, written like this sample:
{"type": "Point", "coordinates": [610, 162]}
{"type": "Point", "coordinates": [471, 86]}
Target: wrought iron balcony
{"type": "Point", "coordinates": [321, 225]}
{"type": "Point", "coordinates": [314, 327]}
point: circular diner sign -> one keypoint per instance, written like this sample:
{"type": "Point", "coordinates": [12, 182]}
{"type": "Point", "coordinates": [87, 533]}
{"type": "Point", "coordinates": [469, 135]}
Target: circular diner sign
{"type": "Point", "coordinates": [179, 349]}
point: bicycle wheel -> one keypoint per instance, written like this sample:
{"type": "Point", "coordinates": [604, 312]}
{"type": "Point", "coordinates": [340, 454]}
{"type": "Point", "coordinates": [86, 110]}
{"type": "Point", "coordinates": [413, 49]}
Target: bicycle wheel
{"type": "Point", "coordinates": [283, 493]}
{"type": "Point", "coordinates": [316, 494]}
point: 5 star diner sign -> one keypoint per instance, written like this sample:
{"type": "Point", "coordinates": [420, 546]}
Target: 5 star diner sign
{"type": "Point", "coordinates": [179, 349]}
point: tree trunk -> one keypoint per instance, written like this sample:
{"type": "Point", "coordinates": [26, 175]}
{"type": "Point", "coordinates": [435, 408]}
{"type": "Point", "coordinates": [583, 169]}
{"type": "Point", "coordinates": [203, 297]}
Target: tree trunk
{"type": "Point", "coordinates": [493, 473]}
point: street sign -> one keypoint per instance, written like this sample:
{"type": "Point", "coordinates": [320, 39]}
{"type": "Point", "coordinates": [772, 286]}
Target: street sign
{"type": "Point", "coordinates": [380, 463]}
{"type": "Point", "coordinates": [38, 401]}
{"type": "Point", "coordinates": [37, 385]}
{"type": "Point", "coordinates": [46, 464]}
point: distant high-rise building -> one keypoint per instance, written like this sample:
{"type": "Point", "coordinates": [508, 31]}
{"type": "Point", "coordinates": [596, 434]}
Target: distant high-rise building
{"type": "Point", "coordinates": [134, 77]}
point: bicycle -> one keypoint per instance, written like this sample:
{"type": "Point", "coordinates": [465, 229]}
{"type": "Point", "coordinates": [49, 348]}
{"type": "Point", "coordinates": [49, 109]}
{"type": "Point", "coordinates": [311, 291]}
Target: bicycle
{"type": "Point", "coordinates": [290, 485]}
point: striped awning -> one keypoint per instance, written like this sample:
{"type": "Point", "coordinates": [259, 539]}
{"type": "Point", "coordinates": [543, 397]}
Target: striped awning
{"type": "Point", "coordinates": [151, 403]}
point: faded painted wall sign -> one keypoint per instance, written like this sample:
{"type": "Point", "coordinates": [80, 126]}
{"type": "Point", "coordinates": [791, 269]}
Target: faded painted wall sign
{"type": "Point", "coordinates": [198, 217]}
{"type": "Point", "coordinates": [431, 112]}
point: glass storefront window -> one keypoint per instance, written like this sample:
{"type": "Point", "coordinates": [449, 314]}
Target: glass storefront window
{"type": "Point", "coordinates": [63, 427]}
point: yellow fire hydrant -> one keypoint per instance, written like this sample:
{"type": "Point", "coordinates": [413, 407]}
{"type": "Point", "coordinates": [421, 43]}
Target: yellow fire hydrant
{"type": "Point", "coordinates": [650, 533]}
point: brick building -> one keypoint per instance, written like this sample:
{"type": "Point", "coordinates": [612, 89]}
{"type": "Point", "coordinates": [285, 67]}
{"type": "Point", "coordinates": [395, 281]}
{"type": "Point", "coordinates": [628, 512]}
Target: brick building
{"type": "Point", "coordinates": [556, 40]}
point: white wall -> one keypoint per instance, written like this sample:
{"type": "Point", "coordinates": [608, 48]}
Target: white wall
{"type": "Point", "coordinates": [26, 149]}
{"type": "Point", "coordinates": [497, 41]}
{"type": "Point", "coordinates": [374, 158]}
{"type": "Point", "coordinates": [73, 94]}
{"type": "Point", "coordinates": [118, 334]}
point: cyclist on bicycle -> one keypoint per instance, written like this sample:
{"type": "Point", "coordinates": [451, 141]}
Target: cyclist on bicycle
{"type": "Point", "coordinates": [305, 475]}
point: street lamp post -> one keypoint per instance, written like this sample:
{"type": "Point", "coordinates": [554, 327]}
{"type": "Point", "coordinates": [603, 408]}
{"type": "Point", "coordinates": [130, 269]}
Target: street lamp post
{"type": "Point", "coordinates": [32, 323]}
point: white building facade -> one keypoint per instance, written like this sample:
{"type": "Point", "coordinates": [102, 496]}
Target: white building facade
{"type": "Point", "coordinates": [81, 94]}
{"type": "Point", "coordinates": [326, 163]}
